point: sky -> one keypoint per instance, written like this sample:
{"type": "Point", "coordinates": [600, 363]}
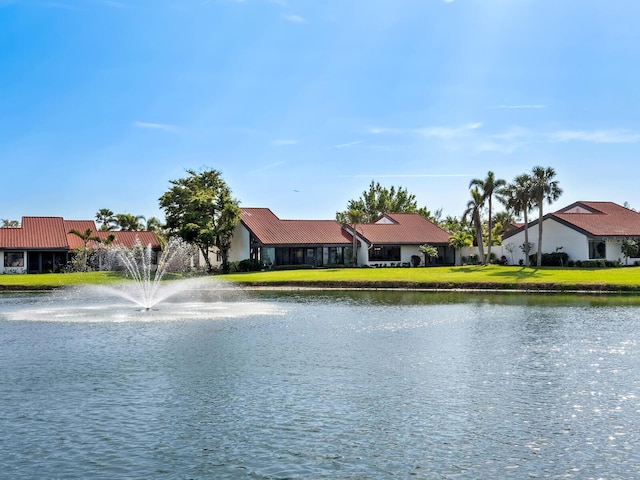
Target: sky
{"type": "Point", "coordinates": [301, 104]}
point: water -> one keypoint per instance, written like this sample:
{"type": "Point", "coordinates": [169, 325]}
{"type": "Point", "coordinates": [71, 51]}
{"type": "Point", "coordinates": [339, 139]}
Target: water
{"type": "Point", "coordinates": [147, 277]}
{"type": "Point", "coordinates": [335, 385]}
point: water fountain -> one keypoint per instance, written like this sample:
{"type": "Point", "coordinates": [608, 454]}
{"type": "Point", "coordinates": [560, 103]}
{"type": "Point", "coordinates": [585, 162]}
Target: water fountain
{"type": "Point", "coordinates": [138, 263]}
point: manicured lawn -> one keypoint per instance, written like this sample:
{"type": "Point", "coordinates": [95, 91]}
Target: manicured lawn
{"type": "Point", "coordinates": [491, 276]}
{"type": "Point", "coordinates": [55, 280]}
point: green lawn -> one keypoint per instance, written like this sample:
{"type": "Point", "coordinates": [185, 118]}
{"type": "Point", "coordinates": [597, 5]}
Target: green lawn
{"type": "Point", "coordinates": [55, 280]}
{"type": "Point", "coordinates": [492, 276]}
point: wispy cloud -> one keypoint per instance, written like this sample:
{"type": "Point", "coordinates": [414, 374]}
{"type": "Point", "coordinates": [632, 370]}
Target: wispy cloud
{"type": "Point", "coordinates": [520, 107]}
{"type": "Point", "coordinates": [448, 132]}
{"type": "Point", "coordinates": [294, 18]}
{"type": "Point", "coordinates": [442, 132]}
{"type": "Point", "coordinates": [596, 136]}
{"type": "Point", "coordinates": [348, 144]}
{"type": "Point", "coordinates": [156, 126]}
{"type": "Point", "coordinates": [284, 142]}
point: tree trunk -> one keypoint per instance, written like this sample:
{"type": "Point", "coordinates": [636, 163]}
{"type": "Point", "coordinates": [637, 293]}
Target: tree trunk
{"type": "Point", "coordinates": [207, 261]}
{"type": "Point", "coordinates": [488, 258]}
{"type": "Point", "coordinates": [479, 238]}
{"type": "Point", "coordinates": [539, 262]}
{"type": "Point", "coordinates": [526, 239]}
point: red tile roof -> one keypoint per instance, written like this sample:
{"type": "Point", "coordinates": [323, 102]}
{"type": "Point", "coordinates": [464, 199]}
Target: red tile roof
{"type": "Point", "coordinates": [52, 233]}
{"type": "Point", "coordinates": [82, 226]}
{"type": "Point", "coordinates": [36, 233]}
{"type": "Point", "coordinates": [403, 229]}
{"type": "Point", "coordinates": [270, 230]}
{"type": "Point", "coordinates": [601, 219]}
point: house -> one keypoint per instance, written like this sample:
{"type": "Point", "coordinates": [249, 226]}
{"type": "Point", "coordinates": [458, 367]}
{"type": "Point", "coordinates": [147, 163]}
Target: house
{"type": "Point", "coordinates": [582, 230]}
{"type": "Point", "coordinates": [392, 240]}
{"type": "Point", "coordinates": [44, 244]}
{"type": "Point", "coordinates": [261, 235]}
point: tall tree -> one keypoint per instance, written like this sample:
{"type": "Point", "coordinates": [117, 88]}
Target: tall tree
{"type": "Point", "coordinates": [106, 219]}
{"type": "Point", "coordinates": [544, 189]}
{"type": "Point", "coordinates": [353, 218]}
{"type": "Point", "coordinates": [129, 222]}
{"type": "Point", "coordinates": [378, 200]}
{"type": "Point", "coordinates": [516, 197]}
{"type": "Point", "coordinates": [487, 188]}
{"type": "Point", "coordinates": [200, 210]}
{"type": "Point", "coordinates": [474, 209]}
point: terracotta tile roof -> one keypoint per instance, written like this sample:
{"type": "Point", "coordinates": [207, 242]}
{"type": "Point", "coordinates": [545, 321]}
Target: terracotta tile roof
{"type": "Point", "coordinates": [601, 219]}
{"type": "Point", "coordinates": [403, 229]}
{"type": "Point", "coordinates": [35, 233]}
{"type": "Point", "coordinates": [80, 225]}
{"type": "Point", "coordinates": [595, 219]}
{"type": "Point", "coordinates": [128, 239]}
{"type": "Point", "coordinates": [52, 233]}
{"type": "Point", "coordinates": [270, 230]}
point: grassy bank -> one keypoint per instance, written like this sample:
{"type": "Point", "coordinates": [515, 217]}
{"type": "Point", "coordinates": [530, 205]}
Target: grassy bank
{"type": "Point", "coordinates": [478, 277]}
{"type": "Point", "coordinates": [49, 281]}
{"type": "Point", "coordinates": [483, 277]}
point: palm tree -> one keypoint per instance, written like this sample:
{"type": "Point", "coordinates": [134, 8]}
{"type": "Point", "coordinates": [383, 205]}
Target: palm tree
{"type": "Point", "coordinates": [544, 188]}
{"type": "Point", "coordinates": [86, 237]}
{"type": "Point", "coordinates": [488, 187]}
{"type": "Point", "coordinates": [474, 207]}
{"type": "Point", "coordinates": [106, 218]}
{"type": "Point", "coordinates": [516, 197]}
{"type": "Point", "coordinates": [129, 222]}
{"type": "Point", "coordinates": [153, 224]}
{"type": "Point", "coordinates": [459, 240]}
{"type": "Point", "coordinates": [354, 217]}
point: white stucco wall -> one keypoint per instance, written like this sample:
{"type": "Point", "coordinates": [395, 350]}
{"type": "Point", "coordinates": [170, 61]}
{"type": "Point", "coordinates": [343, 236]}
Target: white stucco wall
{"type": "Point", "coordinates": [555, 235]}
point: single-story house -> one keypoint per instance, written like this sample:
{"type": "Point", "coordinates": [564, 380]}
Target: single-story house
{"type": "Point", "coordinates": [44, 244]}
{"type": "Point", "coordinates": [262, 236]}
{"type": "Point", "coordinates": [582, 230]}
{"type": "Point", "coordinates": [391, 240]}
{"type": "Point", "coordinates": [394, 238]}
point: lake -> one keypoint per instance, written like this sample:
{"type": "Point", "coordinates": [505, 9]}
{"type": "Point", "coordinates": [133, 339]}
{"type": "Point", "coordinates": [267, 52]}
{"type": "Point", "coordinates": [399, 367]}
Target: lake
{"type": "Point", "coordinates": [353, 385]}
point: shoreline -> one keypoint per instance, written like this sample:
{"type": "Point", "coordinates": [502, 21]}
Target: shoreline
{"type": "Point", "coordinates": [587, 289]}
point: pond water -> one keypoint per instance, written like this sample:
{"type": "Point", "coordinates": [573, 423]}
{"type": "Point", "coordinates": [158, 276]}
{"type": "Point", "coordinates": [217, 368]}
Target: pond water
{"type": "Point", "coordinates": [357, 385]}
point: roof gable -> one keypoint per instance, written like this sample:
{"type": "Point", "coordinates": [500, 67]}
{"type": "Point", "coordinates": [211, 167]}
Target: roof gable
{"type": "Point", "coordinates": [403, 228]}
{"type": "Point", "coordinates": [595, 219]}
{"type": "Point", "coordinates": [601, 219]}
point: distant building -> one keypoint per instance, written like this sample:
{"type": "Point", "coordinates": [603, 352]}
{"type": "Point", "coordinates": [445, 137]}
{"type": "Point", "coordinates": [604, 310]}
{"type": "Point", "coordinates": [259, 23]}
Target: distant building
{"type": "Point", "coordinates": [44, 244]}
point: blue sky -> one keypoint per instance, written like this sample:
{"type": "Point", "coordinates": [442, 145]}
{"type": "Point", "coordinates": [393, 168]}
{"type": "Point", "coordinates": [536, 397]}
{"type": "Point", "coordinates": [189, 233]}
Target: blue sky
{"type": "Point", "coordinates": [302, 103]}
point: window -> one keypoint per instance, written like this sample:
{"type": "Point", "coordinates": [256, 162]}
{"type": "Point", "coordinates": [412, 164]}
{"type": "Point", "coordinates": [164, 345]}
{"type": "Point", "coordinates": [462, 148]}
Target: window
{"type": "Point", "coordinates": [597, 249]}
{"type": "Point", "coordinates": [13, 259]}
{"type": "Point", "coordinates": [385, 253]}
{"type": "Point", "coordinates": [333, 255]}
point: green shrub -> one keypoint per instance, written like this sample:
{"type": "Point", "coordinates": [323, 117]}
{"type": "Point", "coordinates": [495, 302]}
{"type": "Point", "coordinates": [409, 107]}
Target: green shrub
{"type": "Point", "coordinates": [249, 265]}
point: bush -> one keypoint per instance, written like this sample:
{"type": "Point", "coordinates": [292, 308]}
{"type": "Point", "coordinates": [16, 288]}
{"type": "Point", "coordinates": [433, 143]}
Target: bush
{"type": "Point", "coordinates": [555, 259]}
